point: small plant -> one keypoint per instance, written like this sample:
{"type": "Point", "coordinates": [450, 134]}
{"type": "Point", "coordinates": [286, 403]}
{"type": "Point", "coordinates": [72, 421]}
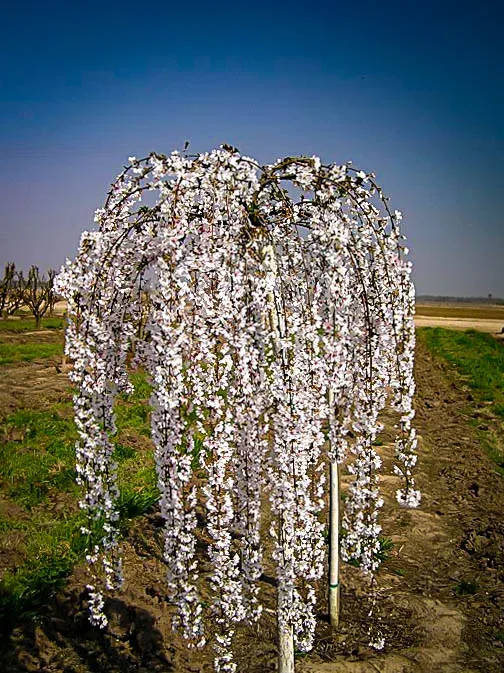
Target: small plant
{"type": "Point", "coordinates": [134, 503]}
{"type": "Point", "coordinates": [466, 588]}
{"type": "Point", "coordinates": [386, 546]}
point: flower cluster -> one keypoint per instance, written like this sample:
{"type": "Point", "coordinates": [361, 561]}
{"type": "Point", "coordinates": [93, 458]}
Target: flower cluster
{"type": "Point", "coordinates": [276, 326]}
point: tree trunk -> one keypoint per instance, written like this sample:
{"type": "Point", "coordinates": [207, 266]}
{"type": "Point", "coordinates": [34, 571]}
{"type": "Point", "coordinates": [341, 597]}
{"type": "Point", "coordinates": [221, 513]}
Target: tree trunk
{"type": "Point", "coordinates": [285, 640]}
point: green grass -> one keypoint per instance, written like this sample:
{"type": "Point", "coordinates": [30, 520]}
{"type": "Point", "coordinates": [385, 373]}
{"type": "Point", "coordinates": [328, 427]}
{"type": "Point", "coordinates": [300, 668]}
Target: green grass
{"type": "Point", "coordinates": [7, 525]}
{"type": "Point", "coordinates": [133, 411]}
{"type": "Point", "coordinates": [466, 588]}
{"type": "Point", "coordinates": [10, 353]}
{"type": "Point", "coordinates": [28, 324]}
{"type": "Point", "coordinates": [479, 359]}
{"type": "Point", "coordinates": [44, 458]}
{"type": "Point", "coordinates": [52, 549]}
{"type": "Point", "coordinates": [386, 546]}
{"type": "Point", "coordinates": [138, 500]}
{"type": "Point", "coordinates": [134, 416]}
{"type": "Point", "coordinates": [142, 388]}
{"type": "Point", "coordinates": [37, 469]}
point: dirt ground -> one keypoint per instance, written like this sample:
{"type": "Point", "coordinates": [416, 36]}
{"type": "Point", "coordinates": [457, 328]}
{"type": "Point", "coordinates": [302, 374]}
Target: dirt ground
{"type": "Point", "coordinates": [484, 318]}
{"type": "Point", "coordinates": [441, 591]}
{"type": "Point", "coordinates": [481, 324]}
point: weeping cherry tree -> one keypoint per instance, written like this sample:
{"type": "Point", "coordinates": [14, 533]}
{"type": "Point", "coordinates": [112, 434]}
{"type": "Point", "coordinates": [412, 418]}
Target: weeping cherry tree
{"type": "Point", "coordinates": [279, 325]}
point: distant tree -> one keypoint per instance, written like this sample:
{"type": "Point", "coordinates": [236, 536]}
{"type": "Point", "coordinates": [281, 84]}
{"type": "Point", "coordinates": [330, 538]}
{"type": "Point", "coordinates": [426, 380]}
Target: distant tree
{"type": "Point", "coordinates": [39, 295]}
{"type": "Point", "coordinates": [6, 286]}
{"type": "Point", "coordinates": [11, 290]}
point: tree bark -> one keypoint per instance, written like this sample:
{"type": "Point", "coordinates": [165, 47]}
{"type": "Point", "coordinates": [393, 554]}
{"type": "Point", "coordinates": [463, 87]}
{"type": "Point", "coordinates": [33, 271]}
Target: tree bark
{"type": "Point", "coordinates": [285, 640]}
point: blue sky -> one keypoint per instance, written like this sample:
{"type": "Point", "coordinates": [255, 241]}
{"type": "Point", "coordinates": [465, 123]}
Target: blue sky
{"type": "Point", "coordinates": [412, 91]}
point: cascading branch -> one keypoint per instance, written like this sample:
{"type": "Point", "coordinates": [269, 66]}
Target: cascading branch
{"type": "Point", "coordinates": [278, 328]}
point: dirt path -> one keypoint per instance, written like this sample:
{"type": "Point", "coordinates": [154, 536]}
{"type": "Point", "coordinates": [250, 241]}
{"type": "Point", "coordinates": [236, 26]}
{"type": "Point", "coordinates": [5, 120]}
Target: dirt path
{"type": "Point", "coordinates": [460, 316]}
{"type": "Point", "coordinates": [441, 590]}
{"type": "Point", "coordinates": [480, 324]}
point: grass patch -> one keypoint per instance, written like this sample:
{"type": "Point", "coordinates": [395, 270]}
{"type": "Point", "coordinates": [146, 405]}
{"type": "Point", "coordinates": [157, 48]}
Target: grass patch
{"type": "Point", "coordinates": [44, 458]}
{"type": "Point", "coordinates": [134, 416]}
{"type": "Point", "coordinates": [133, 411]}
{"type": "Point", "coordinates": [28, 324]}
{"type": "Point", "coordinates": [136, 474]}
{"type": "Point", "coordinates": [10, 353]}
{"type": "Point", "coordinates": [52, 549]}
{"type": "Point", "coordinates": [7, 525]}
{"type": "Point", "coordinates": [386, 547]}
{"type": "Point", "coordinates": [479, 359]}
{"type": "Point", "coordinates": [142, 388]}
{"type": "Point", "coordinates": [37, 466]}
{"type": "Point", "coordinates": [137, 501]}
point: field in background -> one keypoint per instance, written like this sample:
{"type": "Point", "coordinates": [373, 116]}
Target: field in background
{"type": "Point", "coordinates": [482, 317]}
{"type": "Point", "coordinates": [469, 311]}
{"type": "Point", "coordinates": [476, 362]}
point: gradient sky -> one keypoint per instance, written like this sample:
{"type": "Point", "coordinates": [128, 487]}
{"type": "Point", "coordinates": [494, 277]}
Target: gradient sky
{"type": "Point", "coordinates": [412, 91]}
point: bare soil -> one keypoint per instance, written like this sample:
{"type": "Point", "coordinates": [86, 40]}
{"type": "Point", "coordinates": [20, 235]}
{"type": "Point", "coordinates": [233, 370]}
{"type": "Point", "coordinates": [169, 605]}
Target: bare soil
{"type": "Point", "coordinates": [441, 591]}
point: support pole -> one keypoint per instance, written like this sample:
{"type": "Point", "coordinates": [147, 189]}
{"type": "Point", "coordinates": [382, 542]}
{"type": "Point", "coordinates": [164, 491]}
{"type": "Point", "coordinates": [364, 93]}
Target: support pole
{"type": "Point", "coordinates": [334, 544]}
